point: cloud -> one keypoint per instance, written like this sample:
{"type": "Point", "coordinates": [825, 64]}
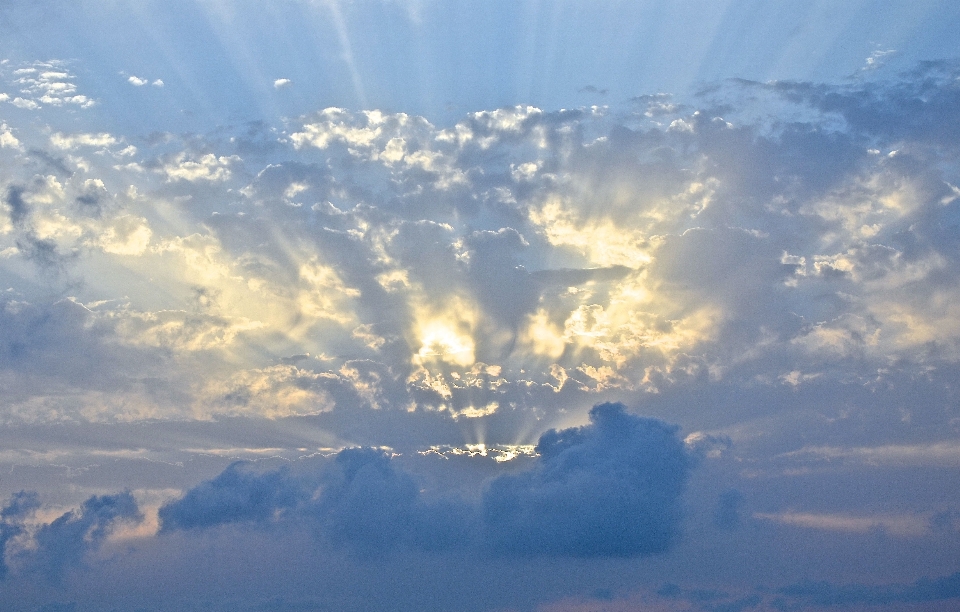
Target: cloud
{"type": "Point", "coordinates": [72, 141]}
{"type": "Point", "coordinates": [946, 454]}
{"type": "Point", "coordinates": [47, 83]}
{"type": "Point", "coordinates": [611, 488]}
{"type": "Point", "coordinates": [359, 499]}
{"type": "Point", "coordinates": [367, 503]}
{"type": "Point", "coordinates": [877, 59]}
{"type": "Point", "coordinates": [20, 506]}
{"type": "Point", "coordinates": [24, 103]}
{"type": "Point", "coordinates": [901, 526]}
{"type": "Point", "coordinates": [140, 82]}
{"type": "Point", "coordinates": [56, 547]}
{"type": "Point", "coordinates": [799, 596]}
{"type": "Point", "coordinates": [48, 230]}
{"type": "Point", "coordinates": [233, 496]}
{"type": "Point", "coordinates": [7, 139]}
{"type": "Point", "coordinates": [208, 167]}
{"type": "Point", "coordinates": [281, 83]}
{"type": "Point", "coordinates": [581, 255]}
{"type": "Point", "coordinates": [592, 89]}
{"type": "Point", "coordinates": [14, 200]}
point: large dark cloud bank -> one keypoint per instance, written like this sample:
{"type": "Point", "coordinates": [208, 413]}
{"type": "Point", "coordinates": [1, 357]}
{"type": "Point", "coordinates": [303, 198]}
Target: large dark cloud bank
{"type": "Point", "coordinates": [610, 488]}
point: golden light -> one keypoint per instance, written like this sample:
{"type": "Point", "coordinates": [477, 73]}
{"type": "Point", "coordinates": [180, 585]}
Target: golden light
{"type": "Point", "coordinates": [447, 336]}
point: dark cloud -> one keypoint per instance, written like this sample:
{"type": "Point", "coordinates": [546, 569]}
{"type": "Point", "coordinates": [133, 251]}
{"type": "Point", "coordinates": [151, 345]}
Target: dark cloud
{"type": "Point", "coordinates": [92, 200]}
{"type": "Point", "coordinates": [359, 499]}
{"type": "Point", "coordinates": [19, 209]}
{"type": "Point", "coordinates": [921, 105]}
{"type": "Point", "coordinates": [611, 488]}
{"type": "Point", "coordinates": [44, 252]}
{"type": "Point", "coordinates": [57, 342]}
{"type": "Point", "coordinates": [501, 285]}
{"type": "Point", "coordinates": [368, 503]}
{"type": "Point", "coordinates": [49, 162]}
{"type": "Point", "coordinates": [11, 522]}
{"type": "Point", "coordinates": [233, 496]}
{"type": "Point", "coordinates": [802, 595]}
{"type": "Point", "coordinates": [62, 544]}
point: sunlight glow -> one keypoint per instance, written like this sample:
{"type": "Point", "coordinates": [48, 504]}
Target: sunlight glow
{"type": "Point", "coordinates": [447, 336]}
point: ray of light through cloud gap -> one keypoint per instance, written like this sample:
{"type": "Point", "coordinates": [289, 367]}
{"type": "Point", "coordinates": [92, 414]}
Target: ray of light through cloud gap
{"type": "Point", "coordinates": [346, 49]}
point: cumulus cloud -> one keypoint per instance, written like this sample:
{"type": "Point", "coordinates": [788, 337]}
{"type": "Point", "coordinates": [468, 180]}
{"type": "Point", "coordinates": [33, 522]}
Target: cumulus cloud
{"type": "Point", "coordinates": [360, 499]}
{"type": "Point", "coordinates": [207, 167]}
{"type": "Point", "coordinates": [610, 488]}
{"type": "Point", "coordinates": [20, 506]}
{"type": "Point", "coordinates": [47, 84]}
{"type": "Point", "coordinates": [25, 103]}
{"type": "Point", "coordinates": [7, 139]}
{"type": "Point", "coordinates": [369, 504]}
{"type": "Point", "coordinates": [235, 495]}
{"type": "Point", "coordinates": [52, 549]}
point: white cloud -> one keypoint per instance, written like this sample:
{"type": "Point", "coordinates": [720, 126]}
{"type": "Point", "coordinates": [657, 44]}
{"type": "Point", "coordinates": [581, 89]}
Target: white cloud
{"type": "Point", "coordinates": [877, 59]}
{"type": "Point", "coordinates": [24, 103]}
{"type": "Point", "coordinates": [72, 141]}
{"type": "Point", "coordinates": [49, 84]}
{"type": "Point", "coordinates": [7, 139]}
{"type": "Point", "coordinates": [279, 83]}
{"type": "Point", "coordinates": [904, 525]}
{"type": "Point", "coordinates": [137, 81]}
{"type": "Point", "coordinates": [207, 167]}
{"type": "Point", "coordinates": [126, 235]}
{"type": "Point", "coordinates": [181, 331]}
{"type": "Point", "coordinates": [935, 454]}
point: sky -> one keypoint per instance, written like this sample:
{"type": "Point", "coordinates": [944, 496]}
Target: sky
{"type": "Point", "coordinates": [505, 306]}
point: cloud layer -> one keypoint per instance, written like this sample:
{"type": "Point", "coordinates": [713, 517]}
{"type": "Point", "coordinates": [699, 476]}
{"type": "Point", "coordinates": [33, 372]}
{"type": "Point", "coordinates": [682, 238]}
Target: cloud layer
{"type": "Point", "coordinates": [517, 260]}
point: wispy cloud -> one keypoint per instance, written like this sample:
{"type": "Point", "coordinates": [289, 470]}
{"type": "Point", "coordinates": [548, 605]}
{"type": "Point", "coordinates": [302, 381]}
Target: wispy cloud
{"type": "Point", "coordinates": [897, 525]}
